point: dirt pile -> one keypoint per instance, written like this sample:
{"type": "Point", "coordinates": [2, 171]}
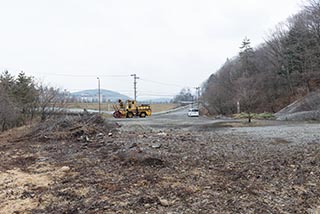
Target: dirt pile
{"type": "Point", "coordinates": [307, 108]}
{"type": "Point", "coordinates": [84, 128]}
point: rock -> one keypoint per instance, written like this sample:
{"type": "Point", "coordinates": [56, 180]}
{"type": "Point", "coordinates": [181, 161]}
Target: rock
{"type": "Point", "coordinates": [143, 136]}
{"type": "Point", "coordinates": [147, 205]}
{"type": "Point", "coordinates": [123, 204]}
{"type": "Point", "coordinates": [100, 135]}
{"type": "Point", "coordinates": [110, 134]}
{"type": "Point", "coordinates": [164, 202]}
{"type": "Point", "coordinates": [65, 169]}
{"type": "Point", "coordinates": [156, 146]}
{"type": "Point", "coordinates": [133, 145]}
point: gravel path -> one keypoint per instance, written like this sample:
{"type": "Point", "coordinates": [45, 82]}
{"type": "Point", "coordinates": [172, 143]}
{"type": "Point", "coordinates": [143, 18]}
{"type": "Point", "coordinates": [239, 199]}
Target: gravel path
{"type": "Point", "coordinates": [294, 133]}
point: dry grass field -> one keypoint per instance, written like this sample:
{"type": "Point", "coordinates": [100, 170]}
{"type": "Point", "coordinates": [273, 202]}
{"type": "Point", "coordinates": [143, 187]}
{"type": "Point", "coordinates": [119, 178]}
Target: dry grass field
{"type": "Point", "coordinates": [109, 106]}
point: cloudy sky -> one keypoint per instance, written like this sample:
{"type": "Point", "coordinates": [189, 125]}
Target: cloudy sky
{"type": "Point", "coordinates": [169, 44]}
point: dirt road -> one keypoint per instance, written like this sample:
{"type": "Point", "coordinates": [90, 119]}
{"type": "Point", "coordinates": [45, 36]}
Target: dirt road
{"type": "Point", "coordinates": [167, 163]}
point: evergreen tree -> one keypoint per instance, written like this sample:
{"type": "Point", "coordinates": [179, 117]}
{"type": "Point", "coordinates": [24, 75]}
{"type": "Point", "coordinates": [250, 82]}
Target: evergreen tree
{"type": "Point", "coordinates": [7, 81]}
{"type": "Point", "coordinates": [246, 54]}
{"type": "Point", "coordinates": [25, 92]}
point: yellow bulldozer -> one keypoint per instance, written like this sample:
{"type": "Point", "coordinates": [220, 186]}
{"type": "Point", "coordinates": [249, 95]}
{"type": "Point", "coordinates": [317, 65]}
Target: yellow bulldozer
{"type": "Point", "coordinates": [131, 109]}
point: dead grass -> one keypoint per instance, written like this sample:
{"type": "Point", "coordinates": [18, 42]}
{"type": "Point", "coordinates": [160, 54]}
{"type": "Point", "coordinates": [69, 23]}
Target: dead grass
{"type": "Point", "coordinates": [109, 106]}
{"type": "Point", "coordinates": [17, 187]}
{"type": "Point", "coordinates": [162, 107]}
{"type": "Point", "coordinates": [15, 132]}
{"type": "Point", "coordinates": [93, 106]}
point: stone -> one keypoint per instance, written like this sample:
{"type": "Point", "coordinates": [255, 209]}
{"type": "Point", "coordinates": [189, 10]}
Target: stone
{"type": "Point", "coordinates": [156, 146]}
{"type": "Point", "coordinates": [65, 169]}
{"type": "Point", "coordinates": [164, 202]}
{"type": "Point", "coordinates": [147, 205]}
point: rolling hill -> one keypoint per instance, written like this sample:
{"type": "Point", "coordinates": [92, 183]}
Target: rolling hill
{"type": "Point", "coordinates": [92, 95]}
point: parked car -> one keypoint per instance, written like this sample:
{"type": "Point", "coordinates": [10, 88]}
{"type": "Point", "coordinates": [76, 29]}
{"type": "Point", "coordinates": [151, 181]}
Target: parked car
{"type": "Point", "coordinates": [193, 112]}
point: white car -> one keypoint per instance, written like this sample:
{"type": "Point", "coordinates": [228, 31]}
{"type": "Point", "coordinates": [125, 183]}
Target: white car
{"type": "Point", "coordinates": [193, 112]}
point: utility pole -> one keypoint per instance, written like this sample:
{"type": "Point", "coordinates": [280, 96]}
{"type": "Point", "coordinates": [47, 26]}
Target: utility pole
{"type": "Point", "coordinates": [198, 95]}
{"type": "Point", "coordinates": [99, 94]}
{"type": "Point", "coordinates": [238, 107]}
{"type": "Point", "coordinates": [135, 85]}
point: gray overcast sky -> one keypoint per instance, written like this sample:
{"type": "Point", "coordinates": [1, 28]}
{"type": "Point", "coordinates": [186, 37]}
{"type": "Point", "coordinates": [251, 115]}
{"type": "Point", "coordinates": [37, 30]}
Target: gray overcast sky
{"type": "Point", "coordinates": [68, 43]}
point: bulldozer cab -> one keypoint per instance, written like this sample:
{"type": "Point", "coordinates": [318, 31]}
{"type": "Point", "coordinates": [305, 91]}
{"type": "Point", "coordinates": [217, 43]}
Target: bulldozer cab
{"type": "Point", "coordinates": [131, 105]}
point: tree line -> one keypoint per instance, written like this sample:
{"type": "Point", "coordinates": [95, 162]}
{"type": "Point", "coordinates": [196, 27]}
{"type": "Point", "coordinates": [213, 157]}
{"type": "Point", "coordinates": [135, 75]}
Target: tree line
{"type": "Point", "coordinates": [22, 100]}
{"type": "Point", "coordinates": [267, 78]}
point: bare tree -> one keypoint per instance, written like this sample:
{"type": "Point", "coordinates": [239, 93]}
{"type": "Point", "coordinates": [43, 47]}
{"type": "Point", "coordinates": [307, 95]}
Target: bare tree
{"type": "Point", "coordinates": [49, 102]}
{"type": "Point", "coordinates": [247, 95]}
{"type": "Point", "coordinates": [184, 95]}
{"type": "Point", "coordinates": [269, 77]}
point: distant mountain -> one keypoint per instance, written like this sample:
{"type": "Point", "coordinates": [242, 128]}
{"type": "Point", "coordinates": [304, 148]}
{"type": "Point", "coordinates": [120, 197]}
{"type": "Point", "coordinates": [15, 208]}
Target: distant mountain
{"type": "Point", "coordinates": [91, 95]}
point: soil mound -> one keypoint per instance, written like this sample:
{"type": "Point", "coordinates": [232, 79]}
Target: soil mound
{"type": "Point", "coordinates": [84, 128]}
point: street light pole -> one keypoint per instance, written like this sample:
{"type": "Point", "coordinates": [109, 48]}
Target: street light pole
{"type": "Point", "coordinates": [99, 94]}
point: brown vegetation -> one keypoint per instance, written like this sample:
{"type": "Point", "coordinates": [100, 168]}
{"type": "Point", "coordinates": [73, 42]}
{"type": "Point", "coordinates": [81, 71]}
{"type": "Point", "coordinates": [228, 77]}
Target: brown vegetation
{"type": "Point", "coordinates": [109, 106]}
{"type": "Point", "coordinates": [284, 68]}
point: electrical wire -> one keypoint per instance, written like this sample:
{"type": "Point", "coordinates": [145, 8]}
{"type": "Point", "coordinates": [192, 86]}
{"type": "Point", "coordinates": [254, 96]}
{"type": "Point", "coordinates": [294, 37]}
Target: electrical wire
{"type": "Point", "coordinates": [156, 94]}
{"type": "Point", "coordinates": [162, 83]}
{"type": "Point", "coordinates": [141, 93]}
{"type": "Point", "coordinates": [79, 75]}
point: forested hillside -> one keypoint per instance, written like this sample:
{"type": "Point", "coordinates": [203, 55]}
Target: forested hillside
{"type": "Point", "coordinates": [269, 77]}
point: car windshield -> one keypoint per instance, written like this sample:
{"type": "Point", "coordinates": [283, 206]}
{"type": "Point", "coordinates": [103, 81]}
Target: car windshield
{"type": "Point", "coordinates": [194, 110]}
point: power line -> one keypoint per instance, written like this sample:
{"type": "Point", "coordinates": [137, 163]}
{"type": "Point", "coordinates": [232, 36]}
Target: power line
{"type": "Point", "coordinates": [160, 94]}
{"type": "Point", "coordinates": [79, 75]}
{"type": "Point", "coordinates": [149, 96]}
{"type": "Point", "coordinates": [63, 75]}
{"type": "Point", "coordinates": [162, 83]}
{"type": "Point", "coordinates": [156, 95]}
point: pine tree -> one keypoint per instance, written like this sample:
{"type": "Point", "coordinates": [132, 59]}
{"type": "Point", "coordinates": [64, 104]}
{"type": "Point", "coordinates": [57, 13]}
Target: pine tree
{"type": "Point", "coordinates": [25, 93]}
{"type": "Point", "coordinates": [246, 54]}
{"type": "Point", "coordinates": [7, 81]}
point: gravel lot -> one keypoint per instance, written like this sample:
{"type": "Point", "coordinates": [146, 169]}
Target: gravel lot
{"type": "Point", "coordinates": [293, 132]}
